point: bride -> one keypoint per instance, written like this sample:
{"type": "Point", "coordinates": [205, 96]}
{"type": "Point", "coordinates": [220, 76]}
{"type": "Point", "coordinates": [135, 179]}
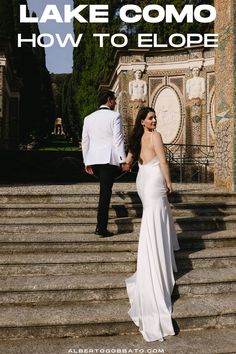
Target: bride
{"type": "Point", "coordinates": [150, 287]}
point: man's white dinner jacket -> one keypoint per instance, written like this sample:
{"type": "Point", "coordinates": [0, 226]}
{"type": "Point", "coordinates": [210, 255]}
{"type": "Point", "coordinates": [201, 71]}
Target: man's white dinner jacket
{"type": "Point", "coordinates": [102, 138]}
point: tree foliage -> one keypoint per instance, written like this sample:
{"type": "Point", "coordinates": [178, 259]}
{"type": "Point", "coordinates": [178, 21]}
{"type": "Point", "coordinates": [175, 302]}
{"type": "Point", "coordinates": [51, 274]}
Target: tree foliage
{"type": "Point", "coordinates": [7, 28]}
{"type": "Point", "coordinates": [36, 104]}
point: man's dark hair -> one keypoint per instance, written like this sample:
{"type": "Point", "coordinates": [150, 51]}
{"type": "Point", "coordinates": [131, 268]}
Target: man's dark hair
{"type": "Point", "coordinates": [104, 95]}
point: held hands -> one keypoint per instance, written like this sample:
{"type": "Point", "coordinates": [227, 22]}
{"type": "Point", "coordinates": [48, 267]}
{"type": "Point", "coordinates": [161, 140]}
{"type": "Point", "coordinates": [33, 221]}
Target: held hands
{"type": "Point", "coordinates": [125, 167]}
{"type": "Point", "coordinates": [89, 170]}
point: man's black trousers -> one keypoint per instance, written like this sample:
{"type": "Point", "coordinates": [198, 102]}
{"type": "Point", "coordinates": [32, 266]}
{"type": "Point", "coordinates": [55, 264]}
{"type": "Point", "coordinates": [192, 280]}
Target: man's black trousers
{"type": "Point", "coordinates": [106, 174]}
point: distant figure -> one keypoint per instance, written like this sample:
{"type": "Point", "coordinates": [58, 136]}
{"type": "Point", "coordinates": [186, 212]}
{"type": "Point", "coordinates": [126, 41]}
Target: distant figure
{"type": "Point", "coordinates": [58, 127]}
{"type": "Point", "coordinates": [138, 87]}
{"type": "Point", "coordinates": [195, 86]}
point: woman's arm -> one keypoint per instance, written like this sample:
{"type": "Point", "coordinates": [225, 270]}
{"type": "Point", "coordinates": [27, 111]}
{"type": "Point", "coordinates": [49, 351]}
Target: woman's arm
{"type": "Point", "coordinates": [160, 152]}
{"type": "Point", "coordinates": [129, 158]}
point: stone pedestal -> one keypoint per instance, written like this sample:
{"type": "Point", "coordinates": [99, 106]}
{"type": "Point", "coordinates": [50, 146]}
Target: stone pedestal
{"type": "Point", "coordinates": [195, 118]}
{"type": "Point", "coordinates": [194, 136]}
{"type": "Point", "coordinates": [225, 142]}
{"type": "Point", "coordinates": [135, 106]}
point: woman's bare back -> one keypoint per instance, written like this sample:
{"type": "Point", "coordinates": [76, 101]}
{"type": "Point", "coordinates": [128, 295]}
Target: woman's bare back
{"type": "Point", "coordinates": [147, 152]}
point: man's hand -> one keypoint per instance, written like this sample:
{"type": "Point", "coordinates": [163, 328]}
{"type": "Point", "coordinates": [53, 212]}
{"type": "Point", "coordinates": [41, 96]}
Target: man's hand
{"type": "Point", "coordinates": [89, 170]}
{"type": "Point", "coordinates": [125, 167]}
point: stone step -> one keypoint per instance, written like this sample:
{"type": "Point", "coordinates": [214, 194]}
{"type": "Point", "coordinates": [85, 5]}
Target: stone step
{"type": "Point", "coordinates": [203, 209]}
{"type": "Point", "coordinates": [54, 242]}
{"type": "Point", "coordinates": [67, 263]}
{"type": "Point", "coordinates": [88, 210]}
{"type": "Point", "coordinates": [122, 195]}
{"type": "Point", "coordinates": [118, 225]}
{"type": "Point", "coordinates": [196, 196]}
{"type": "Point", "coordinates": [99, 318]}
{"type": "Point", "coordinates": [206, 239]}
{"type": "Point", "coordinates": [62, 288]}
{"type": "Point", "coordinates": [65, 198]}
{"type": "Point", "coordinates": [206, 258]}
{"type": "Point", "coordinates": [58, 279]}
{"type": "Point", "coordinates": [67, 210]}
{"type": "Point", "coordinates": [207, 341]}
{"type": "Point", "coordinates": [107, 262]}
{"type": "Point", "coordinates": [89, 287]}
{"type": "Point", "coordinates": [205, 281]}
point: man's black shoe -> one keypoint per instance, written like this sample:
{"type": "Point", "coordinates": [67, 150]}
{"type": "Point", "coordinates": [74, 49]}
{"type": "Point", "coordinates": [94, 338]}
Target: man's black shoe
{"type": "Point", "coordinates": [103, 233]}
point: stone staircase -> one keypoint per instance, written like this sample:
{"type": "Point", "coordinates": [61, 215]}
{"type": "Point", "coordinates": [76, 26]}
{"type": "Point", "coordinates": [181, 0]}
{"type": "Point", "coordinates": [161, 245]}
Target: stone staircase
{"type": "Point", "coordinates": [58, 280]}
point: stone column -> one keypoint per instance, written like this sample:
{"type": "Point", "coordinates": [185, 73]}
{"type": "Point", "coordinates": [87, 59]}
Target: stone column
{"type": "Point", "coordinates": [225, 138]}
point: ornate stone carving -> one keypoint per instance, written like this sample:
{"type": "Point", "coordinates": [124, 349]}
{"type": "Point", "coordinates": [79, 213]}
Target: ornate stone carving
{"type": "Point", "coordinates": [209, 54]}
{"type": "Point", "coordinates": [179, 82]}
{"type": "Point", "coordinates": [170, 68]}
{"type": "Point", "coordinates": [195, 87]}
{"type": "Point", "coordinates": [194, 122]}
{"type": "Point", "coordinates": [123, 81]}
{"type": "Point", "coordinates": [124, 110]}
{"type": "Point", "coordinates": [138, 87]}
{"type": "Point", "coordinates": [195, 91]}
{"type": "Point", "coordinates": [223, 151]}
{"type": "Point", "coordinates": [167, 58]}
{"type": "Point", "coordinates": [168, 113]}
{"type": "Point", "coordinates": [137, 58]}
{"type": "Point", "coordinates": [211, 82]}
{"type": "Point", "coordinates": [196, 54]}
{"type": "Point", "coordinates": [154, 83]}
{"type": "Point", "coordinates": [196, 117]}
{"type": "Point", "coordinates": [125, 59]}
{"type": "Point", "coordinates": [135, 106]}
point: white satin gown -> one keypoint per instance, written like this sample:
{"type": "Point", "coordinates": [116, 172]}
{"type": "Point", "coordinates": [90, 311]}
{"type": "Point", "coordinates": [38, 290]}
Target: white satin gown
{"type": "Point", "coordinates": [150, 287]}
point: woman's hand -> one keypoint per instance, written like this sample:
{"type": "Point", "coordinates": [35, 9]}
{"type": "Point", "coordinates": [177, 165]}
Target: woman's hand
{"type": "Point", "coordinates": [169, 187]}
{"type": "Point", "coordinates": [125, 167]}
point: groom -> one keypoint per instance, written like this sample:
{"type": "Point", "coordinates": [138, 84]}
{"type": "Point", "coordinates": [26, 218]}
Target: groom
{"type": "Point", "coordinates": [103, 152]}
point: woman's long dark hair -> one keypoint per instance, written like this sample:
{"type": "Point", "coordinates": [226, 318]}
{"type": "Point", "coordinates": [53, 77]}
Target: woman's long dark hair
{"type": "Point", "coordinates": [136, 136]}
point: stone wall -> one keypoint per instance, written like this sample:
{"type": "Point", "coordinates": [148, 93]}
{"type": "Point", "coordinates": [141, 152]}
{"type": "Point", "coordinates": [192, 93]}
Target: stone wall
{"type": "Point", "coordinates": [225, 167]}
{"type": "Point", "coordinates": [223, 156]}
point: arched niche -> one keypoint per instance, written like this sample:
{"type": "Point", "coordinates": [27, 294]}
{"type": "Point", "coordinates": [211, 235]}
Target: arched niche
{"type": "Point", "coordinates": [168, 112]}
